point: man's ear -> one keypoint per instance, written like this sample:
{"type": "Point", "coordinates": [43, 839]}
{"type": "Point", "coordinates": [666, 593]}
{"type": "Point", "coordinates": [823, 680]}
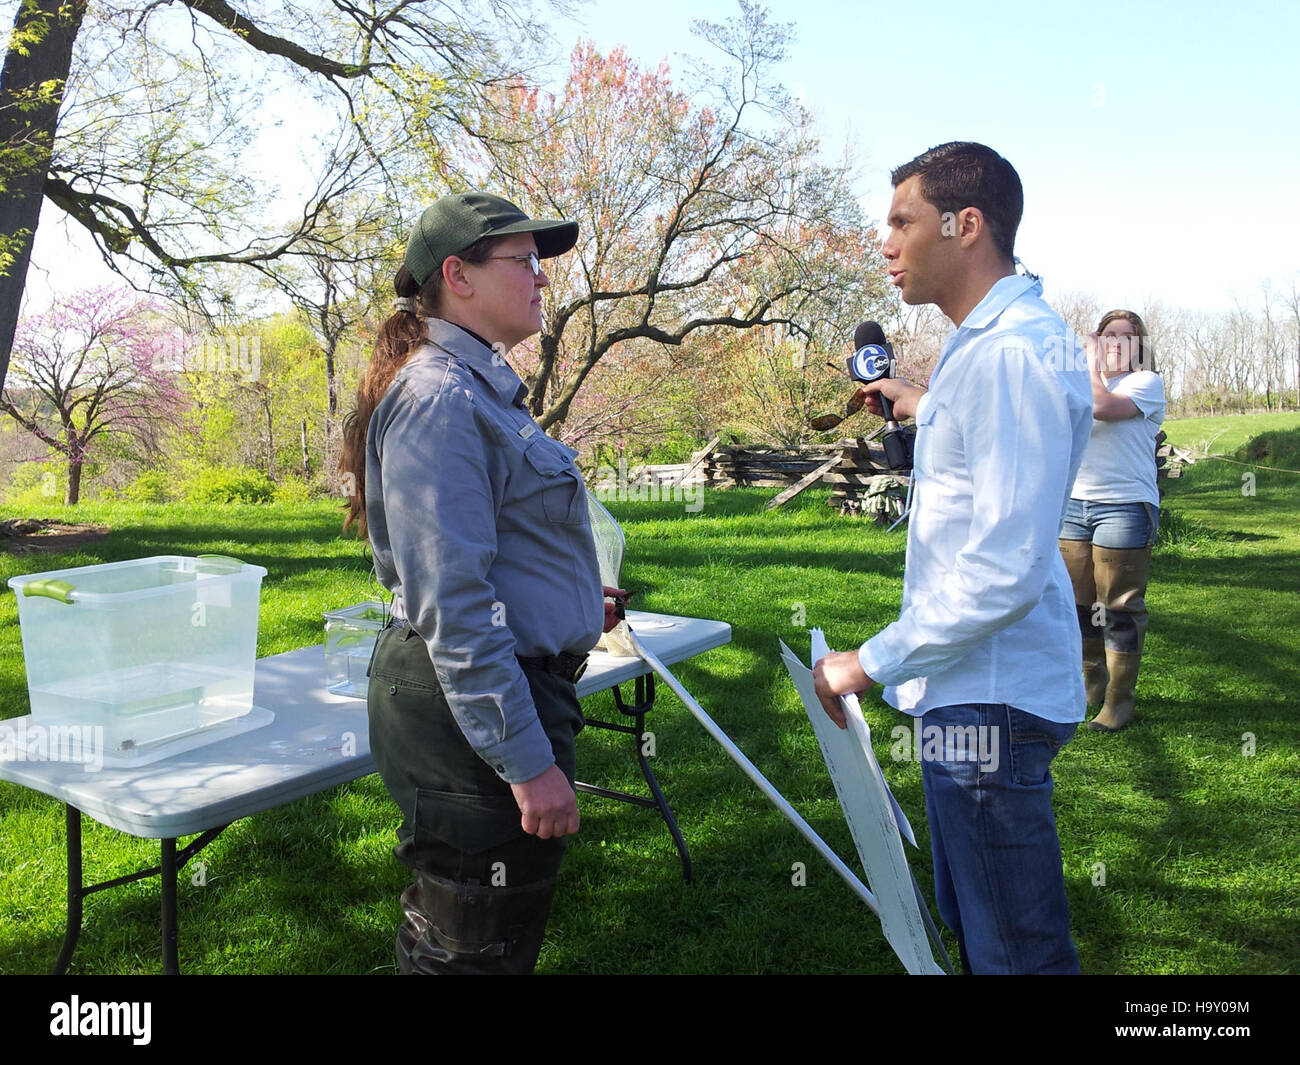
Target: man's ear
{"type": "Point", "coordinates": [454, 278]}
{"type": "Point", "coordinates": [970, 224]}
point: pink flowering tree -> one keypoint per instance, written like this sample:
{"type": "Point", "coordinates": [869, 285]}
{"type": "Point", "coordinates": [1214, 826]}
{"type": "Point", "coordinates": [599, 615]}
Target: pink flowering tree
{"type": "Point", "coordinates": [703, 209]}
{"type": "Point", "coordinates": [95, 365]}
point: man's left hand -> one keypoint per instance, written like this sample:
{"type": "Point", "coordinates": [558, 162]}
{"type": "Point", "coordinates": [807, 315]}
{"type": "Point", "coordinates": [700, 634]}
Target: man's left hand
{"type": "Point", "coordinates": [839, 673]}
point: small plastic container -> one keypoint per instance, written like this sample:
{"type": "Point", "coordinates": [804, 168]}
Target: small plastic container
{"type": "Point", "coordinates": [350, 635]}
{"type": "Point", "coordinates": [151, 650]}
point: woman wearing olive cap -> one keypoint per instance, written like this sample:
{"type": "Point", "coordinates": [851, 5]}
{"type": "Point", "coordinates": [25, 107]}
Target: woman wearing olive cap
{"type": "Point", "coordinates": [479, 527]}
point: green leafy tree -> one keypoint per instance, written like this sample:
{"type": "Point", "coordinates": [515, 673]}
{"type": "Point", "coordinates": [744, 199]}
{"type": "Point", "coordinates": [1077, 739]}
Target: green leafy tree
{"type": "Point", "coordinates": [254, 400]}
{"type": "Point", "coordinates": [134, 120]}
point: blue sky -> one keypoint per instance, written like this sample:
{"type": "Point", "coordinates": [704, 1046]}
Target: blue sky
{"type": "Point", "coordinates": [1158, 143]}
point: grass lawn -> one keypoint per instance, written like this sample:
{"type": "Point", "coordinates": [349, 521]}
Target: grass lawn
{"type": "Point", "coordinates": [1196, 838]}
{"type": "Point", "coordinates": [1224, 433]}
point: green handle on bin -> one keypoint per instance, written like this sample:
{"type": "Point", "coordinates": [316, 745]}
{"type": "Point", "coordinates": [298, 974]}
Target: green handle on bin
{"type": "Point", "coordinates": [219, 564]}
{"type": "Point", "coordinates": [51, 589]}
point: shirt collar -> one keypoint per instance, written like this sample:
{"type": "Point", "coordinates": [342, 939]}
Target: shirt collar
{"type": "Point", "coordinates": [485, 362]}
{"type": "Point", "coordinates": [1005, 291]}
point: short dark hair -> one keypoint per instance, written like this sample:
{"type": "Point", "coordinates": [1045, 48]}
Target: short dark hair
{"type": "Point", "coordinates": [964, 174]}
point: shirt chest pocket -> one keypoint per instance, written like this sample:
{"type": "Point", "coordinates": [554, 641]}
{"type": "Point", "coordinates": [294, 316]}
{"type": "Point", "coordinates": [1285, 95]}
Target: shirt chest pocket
{"type": "Point", "coordinates": [923, 449]}
{"type": "Point", "coordinates": [563, 499]}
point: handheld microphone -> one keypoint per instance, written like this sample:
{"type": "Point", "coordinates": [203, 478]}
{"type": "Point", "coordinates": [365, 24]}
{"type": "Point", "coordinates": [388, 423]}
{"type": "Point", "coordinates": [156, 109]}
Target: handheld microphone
{"type": "Point", "coordinates": [872, 360]}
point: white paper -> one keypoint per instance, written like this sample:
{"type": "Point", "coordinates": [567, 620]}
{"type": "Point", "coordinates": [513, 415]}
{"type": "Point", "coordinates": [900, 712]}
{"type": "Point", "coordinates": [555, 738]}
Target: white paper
{"type": "Point", "coordinates": [873, 815]}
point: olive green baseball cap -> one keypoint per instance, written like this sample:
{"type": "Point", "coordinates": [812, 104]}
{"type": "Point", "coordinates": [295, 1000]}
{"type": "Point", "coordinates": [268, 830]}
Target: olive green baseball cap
{"type": "Point", "coordinates": [453, 223]}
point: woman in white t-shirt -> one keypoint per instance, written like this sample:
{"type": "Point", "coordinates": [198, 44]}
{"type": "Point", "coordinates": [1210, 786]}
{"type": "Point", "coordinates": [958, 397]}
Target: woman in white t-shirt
{"type": "Point", "coordinates": [1111, 520]}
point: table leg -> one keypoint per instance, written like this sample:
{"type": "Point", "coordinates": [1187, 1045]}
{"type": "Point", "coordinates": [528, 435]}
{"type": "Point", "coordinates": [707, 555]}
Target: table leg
{"type": "Point", "coordinates": [171, 964]}
{"type": "Point", "coordinates": [644, 699]}
{"type": "Point", "coordinates": [172, 862]}
{"type": "Point", "coordinates": [72, 817]}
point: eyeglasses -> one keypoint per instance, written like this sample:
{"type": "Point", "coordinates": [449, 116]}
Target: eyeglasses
{"type": "Point", "coordinates": [530, 259]}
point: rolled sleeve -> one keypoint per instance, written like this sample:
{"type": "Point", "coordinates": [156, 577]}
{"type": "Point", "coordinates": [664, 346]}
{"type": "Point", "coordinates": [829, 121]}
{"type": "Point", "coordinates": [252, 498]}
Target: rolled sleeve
{"type": "Point", "coordinates": [440, 512]}
{"type": "Point", "coordinates": [1014, 430]}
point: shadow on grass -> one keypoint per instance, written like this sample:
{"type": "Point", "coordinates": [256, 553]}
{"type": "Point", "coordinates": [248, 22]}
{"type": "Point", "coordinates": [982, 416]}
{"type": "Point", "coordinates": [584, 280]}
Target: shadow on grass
{"type": "Point", "coordinates": [1161, 804]}
{"type": "Point", "coordinates": [296, 867]}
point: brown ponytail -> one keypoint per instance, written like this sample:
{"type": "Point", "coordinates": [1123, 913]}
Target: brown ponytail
{"type": "Point", "coordinates": [401, 334]}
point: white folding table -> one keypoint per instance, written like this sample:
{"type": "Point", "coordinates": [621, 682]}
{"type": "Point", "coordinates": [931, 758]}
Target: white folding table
{"type": "Point", "coordinates": [316, 741]}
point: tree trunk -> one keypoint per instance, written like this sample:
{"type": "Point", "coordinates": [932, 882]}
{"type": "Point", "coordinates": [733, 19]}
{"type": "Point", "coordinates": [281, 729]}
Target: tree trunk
{"type": "Point", "coordinates": [45, 30]}
{"type": "Point", "coordinates": [331, 378]}
{"type": "Point", "coordinates": [331, 415]}
{"type": "Point", "coordinates": [74, 482]}
{"type": "Point", "coordinates": [270, 439]}
{"type": "Point", "coordinates": [550, 347]}
{"type": "Point", "coordinates": [306, 455]}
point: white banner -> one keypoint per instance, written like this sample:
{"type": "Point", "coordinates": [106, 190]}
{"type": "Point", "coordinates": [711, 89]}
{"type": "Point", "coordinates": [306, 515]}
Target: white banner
{"type": "Point", "coordinates": [874, 817]}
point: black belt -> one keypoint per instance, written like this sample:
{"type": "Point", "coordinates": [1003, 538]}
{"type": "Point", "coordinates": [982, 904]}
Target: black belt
{"type": "Point", "coordinates": [566, 664]}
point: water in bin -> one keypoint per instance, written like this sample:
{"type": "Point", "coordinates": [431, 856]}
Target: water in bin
{"type": "Point", "coordinates": [151, 650]}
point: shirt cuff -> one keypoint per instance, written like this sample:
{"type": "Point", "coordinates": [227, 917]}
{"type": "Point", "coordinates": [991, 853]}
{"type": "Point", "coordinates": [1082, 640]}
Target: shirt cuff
{"type": "Point", "coordinates": [876, 660]}
{"type": "Point", "coordinates": [521, 757]}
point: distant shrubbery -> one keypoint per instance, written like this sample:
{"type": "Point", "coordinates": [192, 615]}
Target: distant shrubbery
{"type": "Point", "coordinates": [37, 485]}
{"type": "Point", "coordinates": [229, 485]}
{"type": "Point", "coordinates": [152, 486]}
{"type": "Point", "coordinates": [1216, 401]}
{"type": "Point", "coordinates": [40, 486]}
{"type": "Point", "coordinates": [1279, 449]}
{"type": "Point", "coordinates": [296, 490]}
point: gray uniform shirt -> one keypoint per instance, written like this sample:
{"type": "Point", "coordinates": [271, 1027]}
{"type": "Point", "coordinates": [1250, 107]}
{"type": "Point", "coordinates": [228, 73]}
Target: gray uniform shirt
{"type": "Point", "coordinates": [479, 526]}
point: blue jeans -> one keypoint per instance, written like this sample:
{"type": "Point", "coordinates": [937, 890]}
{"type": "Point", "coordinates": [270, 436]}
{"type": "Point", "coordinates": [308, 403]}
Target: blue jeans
{"type": "Point", "coordinates": [1120, 526]}
{"type": "Point", "coordinates": [997, 860]}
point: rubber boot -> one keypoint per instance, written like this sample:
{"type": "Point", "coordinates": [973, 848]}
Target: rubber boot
{"type": "Point", "coordinates": [1118, 709]}
{"type": "Point", "coordinates": [1078, 561]}
{"type": "Point", "coordinates": [1121, 577]}
{"type": "Point", "coordinates": [453, 929]}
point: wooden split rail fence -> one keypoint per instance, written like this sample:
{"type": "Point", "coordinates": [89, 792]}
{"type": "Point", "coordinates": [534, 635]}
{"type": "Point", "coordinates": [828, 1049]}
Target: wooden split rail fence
{"type": "Point", "coordinates": [855, 469]}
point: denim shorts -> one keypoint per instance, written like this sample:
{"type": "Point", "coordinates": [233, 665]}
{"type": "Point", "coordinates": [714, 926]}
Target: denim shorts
{"type": "Point", "coordinates": [1121, 526]}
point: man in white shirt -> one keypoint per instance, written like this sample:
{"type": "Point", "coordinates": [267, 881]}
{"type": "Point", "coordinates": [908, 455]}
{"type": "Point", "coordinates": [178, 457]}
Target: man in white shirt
{"type": "Point", "coordinates": [987, 636]}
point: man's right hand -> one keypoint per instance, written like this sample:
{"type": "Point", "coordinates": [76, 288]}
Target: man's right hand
{"type": "Point", "coordinates": [548, 806]}
{"type": "Point", "coordinates": [901, 393]}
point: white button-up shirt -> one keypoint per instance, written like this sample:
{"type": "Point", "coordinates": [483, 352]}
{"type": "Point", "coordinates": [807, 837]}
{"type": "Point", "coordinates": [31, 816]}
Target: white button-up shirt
{"type": "Point", "coordinates": [988, 611]}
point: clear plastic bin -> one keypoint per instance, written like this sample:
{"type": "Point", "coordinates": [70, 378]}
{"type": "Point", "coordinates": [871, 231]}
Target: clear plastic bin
{"type": "Point", "coordinates": [151, 650]}
{"type": "Point", "coordinates": [350, 635]}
